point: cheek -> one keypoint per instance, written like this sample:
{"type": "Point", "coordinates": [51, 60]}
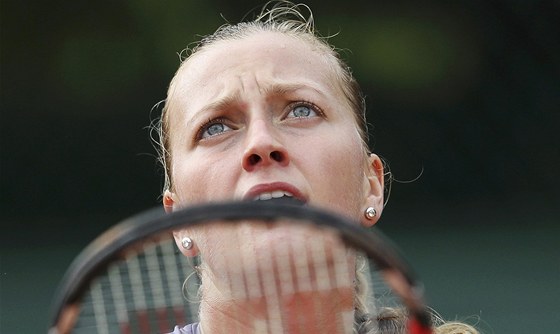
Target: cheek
{"type": "Point", "coordinates": [198, 179]}
{"type": "Point", "coordinates": [341, 177]}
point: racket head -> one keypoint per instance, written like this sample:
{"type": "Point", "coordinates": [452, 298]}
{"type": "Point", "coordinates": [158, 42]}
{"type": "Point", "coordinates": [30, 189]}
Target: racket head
{"type": "Point", "coordinates": [147, 231]}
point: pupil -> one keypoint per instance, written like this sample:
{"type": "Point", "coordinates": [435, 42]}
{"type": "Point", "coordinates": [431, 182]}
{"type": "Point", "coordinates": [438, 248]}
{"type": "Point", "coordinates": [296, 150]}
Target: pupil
{"type": "Point", "coordinates": [301, 111]}
{"type": "Point", "coordinates": [215, 129]}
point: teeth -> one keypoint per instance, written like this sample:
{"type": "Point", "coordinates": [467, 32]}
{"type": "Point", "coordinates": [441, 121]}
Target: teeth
{"type": "Point", "coordinates": [265, 196]}
{"type": "Point", "coordinates": [274, 194]}
{"type": "Point", "coordinates": [277, 194]}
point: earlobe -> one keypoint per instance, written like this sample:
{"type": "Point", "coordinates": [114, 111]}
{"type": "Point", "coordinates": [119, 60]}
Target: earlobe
{"type": "Point", "coordinates": [374, 194]}
{"type": "Point", "coordinates": [186, 245]}
{"type": "Point", "coordinates": [168, 201]}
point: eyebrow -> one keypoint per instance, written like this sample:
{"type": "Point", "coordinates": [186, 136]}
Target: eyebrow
{"type": "Point", "coordinates": [282, 89]}
{"type": "Point", "coordinates": [275, 89]}
{"type": "Point", "coordinates": [221, 103]}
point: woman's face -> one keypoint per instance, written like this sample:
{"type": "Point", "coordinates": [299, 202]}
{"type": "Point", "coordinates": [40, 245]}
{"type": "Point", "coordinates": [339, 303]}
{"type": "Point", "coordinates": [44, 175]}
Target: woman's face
{"type": "Point", "coordinates": [264, 116]}
{"type": "Point", "coordinates": [258, 118]}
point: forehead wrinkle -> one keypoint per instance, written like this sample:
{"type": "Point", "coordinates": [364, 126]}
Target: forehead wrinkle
{"type": "Point", "coordinates": [268, 85]}
{"type": "Point", "coordinates": [273, 89]}
{"type": "Point", "coordinates": [221, 103]}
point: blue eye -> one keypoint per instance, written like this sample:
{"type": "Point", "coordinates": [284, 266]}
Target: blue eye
{"type": "Point", "coordinates": [214, 128]}
{"type": "Point", "coordinates": [302, 111]}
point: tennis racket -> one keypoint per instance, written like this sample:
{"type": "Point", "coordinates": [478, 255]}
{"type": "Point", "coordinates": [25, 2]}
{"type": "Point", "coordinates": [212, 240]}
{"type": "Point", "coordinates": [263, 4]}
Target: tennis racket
{"type": "Point", "coordinates": [262, 267]}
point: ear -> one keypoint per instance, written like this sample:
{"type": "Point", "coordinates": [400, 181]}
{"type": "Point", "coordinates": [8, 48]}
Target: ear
{"type": "Point", "coordinates": [374, 189]}
{"type": "Point", "coordinates": [178, 236]}
{"type": "Point", "coordinates": [168, 201]}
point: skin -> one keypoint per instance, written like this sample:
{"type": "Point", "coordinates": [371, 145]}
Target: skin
{"type": "Point", "coordinates": [255, 115]}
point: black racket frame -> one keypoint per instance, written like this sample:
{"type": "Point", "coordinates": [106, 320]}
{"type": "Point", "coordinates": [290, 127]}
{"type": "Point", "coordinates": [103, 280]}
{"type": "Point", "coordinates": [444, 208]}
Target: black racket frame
{"type": "Point", "coordinates": [112, 244]}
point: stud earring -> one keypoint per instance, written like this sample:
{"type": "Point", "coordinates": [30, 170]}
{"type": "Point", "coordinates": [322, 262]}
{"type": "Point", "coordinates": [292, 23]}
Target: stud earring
{"type": "Point", "coordinates": [187, 243]}
{"type": "Point", "coordinates": [370, 213]}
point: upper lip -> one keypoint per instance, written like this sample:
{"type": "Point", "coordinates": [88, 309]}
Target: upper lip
{"type": "Point", "coordinates": [259, 189]}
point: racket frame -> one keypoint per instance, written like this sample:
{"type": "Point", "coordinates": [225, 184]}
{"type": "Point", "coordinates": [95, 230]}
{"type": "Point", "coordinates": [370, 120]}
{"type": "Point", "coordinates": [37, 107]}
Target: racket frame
{"type": "Point", "coordinates": [113, 244]}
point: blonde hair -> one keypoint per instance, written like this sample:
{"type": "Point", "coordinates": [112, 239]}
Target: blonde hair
{"type": "Point", "coordinates": [394, 320]}
{"type": "Point", "coordinates": [455, 327]}
{"type": "Point", "coordinates": [282, 17]}
{"type": "Point", "coordinates": [288, 18]}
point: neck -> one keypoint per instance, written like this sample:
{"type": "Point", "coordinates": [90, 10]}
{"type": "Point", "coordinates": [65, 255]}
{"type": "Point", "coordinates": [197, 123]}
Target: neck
{"type": "Point", "coordinates": [298, 312]}
{"type": "Point", "coordinates": [284, 281]}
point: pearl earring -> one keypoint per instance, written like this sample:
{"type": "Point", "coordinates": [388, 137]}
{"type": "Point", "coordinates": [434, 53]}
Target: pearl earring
{"type": "Point", "coordinates": [187, 243]}
{"type": "Point", "coordinates": [370, 213]}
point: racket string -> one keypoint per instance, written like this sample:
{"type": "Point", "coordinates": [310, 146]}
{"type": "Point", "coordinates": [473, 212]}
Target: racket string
{"type": "Point", "coordinates": [304, 283]}
{"type": "Point", "coordinates": [139, 295]}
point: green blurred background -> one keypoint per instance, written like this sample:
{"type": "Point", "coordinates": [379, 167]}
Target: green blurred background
{"type": "Point", "coordinates": [463, 98]}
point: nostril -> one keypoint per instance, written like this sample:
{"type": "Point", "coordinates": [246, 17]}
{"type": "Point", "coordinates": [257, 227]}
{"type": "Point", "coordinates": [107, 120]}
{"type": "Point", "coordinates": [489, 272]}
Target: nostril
{"type": "Point", "coordinates": [277, 156]}
{"type": "Point", "coordinates": [254, 159]}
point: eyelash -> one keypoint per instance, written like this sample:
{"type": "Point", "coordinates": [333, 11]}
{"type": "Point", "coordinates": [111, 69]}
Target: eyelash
{"type": "Point", "coordinates": [221, 120]}
{"type": "Point", "coordinates": [205, 126]}
{"type": "Point", "coordinates": [308, 104]}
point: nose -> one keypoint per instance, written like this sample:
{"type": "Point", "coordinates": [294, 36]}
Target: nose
{"type": "Point", "coordinates": [263, 147]}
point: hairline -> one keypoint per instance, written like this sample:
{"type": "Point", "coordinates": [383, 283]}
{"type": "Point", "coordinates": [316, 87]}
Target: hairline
{"type": "Point", "coordinates": [343, 80]}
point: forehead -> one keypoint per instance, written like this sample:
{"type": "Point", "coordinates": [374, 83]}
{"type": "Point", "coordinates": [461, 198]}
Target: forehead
{"type": "Point", "coordinates": [265, 58]}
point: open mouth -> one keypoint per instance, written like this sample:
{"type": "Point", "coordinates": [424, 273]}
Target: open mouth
{"type": "Point", "coordinates": [279, 197]}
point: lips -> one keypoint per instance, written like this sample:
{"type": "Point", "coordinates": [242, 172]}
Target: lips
{"type": "Point", "coordinates": [274, 191]}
